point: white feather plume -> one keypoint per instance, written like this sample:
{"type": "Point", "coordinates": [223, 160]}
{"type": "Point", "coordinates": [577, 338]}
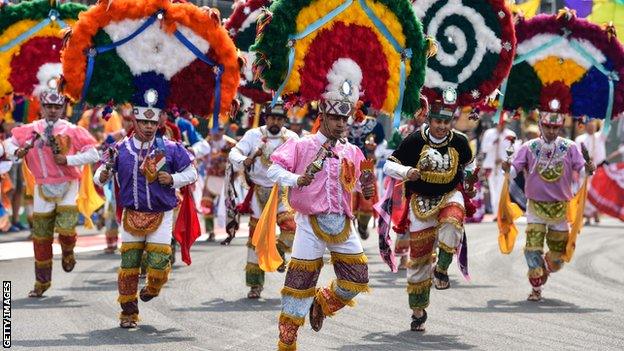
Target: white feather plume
{"type": "Point", "coordinates": [46, 73]}
{"type": "Point", "coordinates": [343, 70]}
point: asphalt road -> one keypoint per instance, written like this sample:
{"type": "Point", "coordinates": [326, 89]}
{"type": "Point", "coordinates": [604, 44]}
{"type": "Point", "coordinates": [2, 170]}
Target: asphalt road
{"type": "Point", "coordinates": [204, 307]}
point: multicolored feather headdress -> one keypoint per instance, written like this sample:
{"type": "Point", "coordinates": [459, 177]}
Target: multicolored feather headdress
{"type": "Point", "coordinates": [476, 44]}
{"type": "Point", "coordinates": [309, 49]}
{"type": "Point", "coordinates": [118, 50]}
{"type": "Point", "coordinates": [30, 44]}
{"type": "Point", "coordinates": [567, 65]}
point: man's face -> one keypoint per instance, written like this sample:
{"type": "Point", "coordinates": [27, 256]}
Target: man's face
{"type": "Point", "coordinates": [52, 112]}
{"type": "Point", "coordinates": [550, 132]}
{"type": "Point", "coordinates": [590, 127]}
{"type": "Point", "coordinates": [296, 127]}
{"type": "Point", "coordinates": [335, 125]}
{"type": "Point", "coordinates": [147, 129]}
{"type": "Point", "coordinates": [275, 123]}
{"type": "Point", "coordinates": [439, 128]}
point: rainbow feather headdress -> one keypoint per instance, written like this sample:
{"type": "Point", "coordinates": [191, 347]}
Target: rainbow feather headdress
{"type": "Point", "coordinates": [476, 45]}
{"type": "Point", "coordinates": [30, 44]}
{"type": "Point", "coordinates": [566, 65]}
{"type": "Point", "coordinates": [372, 50]}
{"type": "Point", "coordinates": [118, 50]}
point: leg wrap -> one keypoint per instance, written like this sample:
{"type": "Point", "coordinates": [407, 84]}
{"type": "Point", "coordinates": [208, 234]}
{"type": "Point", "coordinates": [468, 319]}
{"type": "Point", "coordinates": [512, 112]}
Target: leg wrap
{"type": "Point", "coordinates": [158, 267]}
{"type": "Point", "coordinates": [402, 245]}
{"type": "Point", "coordinates": [254, 275]}
{"type": "Point", "coordinates": [351, 272]}
{"type": "Point", "coordinates": [533, 250]}
{"type": "Point", "coordinates": [556, 241]}
{"type": "Point", "coordinates": [66, 219]}
{"type": "Point", "coordinates": [128, 280]}
{"type": "Point", "coordinates": [111, 238]}
{"type": "Point", "coordinates": [418, 294]}
{"type": "Point", "coordinates": [43, 236]}
{"type": "Point", "coordinates": [363, 219]}
{"type": "Point", "coordinates": [419, 268]}
{"type": "Point", "coordinates": [288, 327]}
{"type": "Point", "coordinates": [299, 289]}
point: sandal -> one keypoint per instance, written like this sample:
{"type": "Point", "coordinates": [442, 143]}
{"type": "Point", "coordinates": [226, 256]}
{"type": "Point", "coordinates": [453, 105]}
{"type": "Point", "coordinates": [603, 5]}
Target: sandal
{"type": "Point", "coordinates": [535, 296]}
{"type": "Point", "coordinates": [127, 324]}
{"type": "Point", "coordinates": [68, 262]}
{"type": "Point", "coordinates": [441, 280]}
{"type": "Point", "coordinates": [254, 292]}
{"type": "Point", "coordinates": [37, 293]}
{"type": "Point", "coordinates": [418, 323]}
{"type": "Point", "coordinates": [316, 316]}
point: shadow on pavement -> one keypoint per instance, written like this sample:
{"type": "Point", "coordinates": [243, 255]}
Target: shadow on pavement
{"type": "Point", "coordinates": [95, 285]}
{"type": "Point", "coordinates": [45, 302]}
{"type": "Point", "coordinates": [145, 334]}
{"type": "Point", "coordinates": [409, 340]}
{"type": "Point", "coordinates": [240, 305]}
{"type": "Point", "coordinates": [545, 306]}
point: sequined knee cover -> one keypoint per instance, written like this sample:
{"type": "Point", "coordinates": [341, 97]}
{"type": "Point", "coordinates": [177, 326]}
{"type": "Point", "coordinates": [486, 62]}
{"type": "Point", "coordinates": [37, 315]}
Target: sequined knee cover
{"type": "Point", "coordinates": [297, 296]}
{"type": "Point", "coordinates": [158, 267]}
{"type": "Point", "coordinates": [43, 236]}
{"type": "Point", "coordinates": [128, 280]}
{"type": "Point", "coordinates": [65, 225]}
{"type": "Point", "coordinates": [556, 241]}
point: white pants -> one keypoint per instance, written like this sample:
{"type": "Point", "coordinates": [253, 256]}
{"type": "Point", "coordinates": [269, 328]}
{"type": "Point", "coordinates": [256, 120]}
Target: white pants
{"type": "Point", "coordinates": [495, 184]}
{"type": "Point", "coordinates": [308, 246]}
{"type": "Point", "coordinates": [162, 235]}
{"type": "Point", "coordinates": [40, 205]}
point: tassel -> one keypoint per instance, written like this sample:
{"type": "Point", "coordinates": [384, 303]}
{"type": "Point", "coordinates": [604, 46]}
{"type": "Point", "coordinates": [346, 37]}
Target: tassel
{"type": "Point", "coordinates": [305, 265]}
{"type": "Point", "coordinates": [417, 288]}
{"type": "Point", "coordinates": [349, 259]}
{"type": "Point", "coordinates": [298, 294]}
{"type": "Point", "coordinates": [352, 286]}
{"type": "Point", "coordinates": [286, 318]}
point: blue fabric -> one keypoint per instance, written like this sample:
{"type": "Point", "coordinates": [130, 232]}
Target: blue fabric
{"type": "Point", "coordinates": [189, 133]}
{"type": "Point", "coordinates": [296, 307]}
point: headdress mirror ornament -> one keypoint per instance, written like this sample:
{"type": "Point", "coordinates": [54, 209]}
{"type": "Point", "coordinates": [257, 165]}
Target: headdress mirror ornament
{"type": "Point", "coordinates": [148, 112]}
{"type": "Point", "coordinates": [449, 95]}
{"type": "Point", "coordinates": [554, 105]}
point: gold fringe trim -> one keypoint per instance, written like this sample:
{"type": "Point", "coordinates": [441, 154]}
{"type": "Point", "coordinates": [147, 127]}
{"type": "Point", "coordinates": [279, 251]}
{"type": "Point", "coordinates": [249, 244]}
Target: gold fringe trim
{"type": "Point", "coordinates": [284, 216]}
{"type": "Point", "coordinates": [305, 265]}
{"type": "Point", "coordinates": [161, 274]}
{"type": "Point", "coordinates": [66, 232]}
{"type": "Point", "coordinates": [253, 268]}
{"type": "Point", "coordinates": [287, 318]}
{"type": "Point", "coordinates": [128, 246]}
{"type": "Point", "coordinates": [126, 272]}
{"type": "Point", "coordinates": [441, 177]}
{"type": "Point", "coordinates": [324, 306]}
{"type": "Point", "coordinates": [111, 233]}
{"type": "Point", "coordinates": [432, 211]}
{"type": "Point", "coordinates": [298, 294]}
{"type": "Point", "coordinates": [352, 286]}
{"type": "Point", "coordinates": [160, 248]}
{"type": "Point", "coordinates": [66, 208]}
{"type": "Point", "coordinates": [359, 258]}
{"type": "Point", "coordinates": [349, 303]}
{"type": "Point", "coordinates": [131, 318]}
{"type": "Point", "coordinates": [328, 238]}
{"type": "Point", "coordinates": [555, 235]}
{"type": "Point", "coordinates": [446, 248]}
{"type": "Point", "coordinates": [129, 226]}
{"type": "Point", "coordinates": [43, 215]}
{"type": "Point", "coordinates": [423, 235]}
{"type": "Point", "coordinates": [253, 222]}
{"type": "Point", "coordinates": [43, 264]}
{"type": "Point", "coordinates": [127, 298]}
{"type": "Point", "coordinates": [439, 270]}
{"type": "Point", "coordinates": [420, 261]}
{"type": "Point", "coordinates": [43, 239]}
{"type": "Point", "coordinates": [417, 288]}
{"type": "Point", "coordinates": [536, 272]}
{"type": "Point", "coordinates": [286, 347]}
{"type": "Point", "coordinates": [394, 159]}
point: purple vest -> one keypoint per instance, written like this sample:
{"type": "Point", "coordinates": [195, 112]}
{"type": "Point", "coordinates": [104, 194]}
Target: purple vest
{"type": "Point", "coordinates": [134, 190]}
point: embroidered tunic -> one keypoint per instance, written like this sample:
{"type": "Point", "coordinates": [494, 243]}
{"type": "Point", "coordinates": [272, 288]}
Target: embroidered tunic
{"type": "Point", "coordinates": [549, 168]}
{"type": "Point", "coordinates": [73, 141]}
{"type": "Point", "coordinates": [442, 163]}
{"type": "Point", "coordinates": [135, 192]}
{"type": "Point", "coordinates": [330, 191]}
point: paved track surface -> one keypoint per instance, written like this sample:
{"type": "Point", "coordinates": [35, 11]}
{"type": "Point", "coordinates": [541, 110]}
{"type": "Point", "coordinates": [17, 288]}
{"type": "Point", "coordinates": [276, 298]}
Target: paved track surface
{"type": "Point", "coordinates": [204, 306]}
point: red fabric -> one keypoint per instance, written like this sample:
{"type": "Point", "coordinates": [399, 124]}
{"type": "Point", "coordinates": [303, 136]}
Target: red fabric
{"type": "Point", "coordinates": [245, 206]}
{"type": "Point", "coordinates": [605, 193]}
{"type": "Point", "coordinates": [404, 222]}
{"type": "Point", "coordinates": [32, 55]}
{"type": "Point", "coordinates": [187, 228]}
{"type": "Point", "coordinates": [119, 208]}
{"type": "Point", "coordinates": [468, 205]}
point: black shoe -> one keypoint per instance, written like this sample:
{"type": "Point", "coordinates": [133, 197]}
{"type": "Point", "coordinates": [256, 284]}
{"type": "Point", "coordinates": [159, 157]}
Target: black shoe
{"type": "Point", "coordinates": [418, 323]}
